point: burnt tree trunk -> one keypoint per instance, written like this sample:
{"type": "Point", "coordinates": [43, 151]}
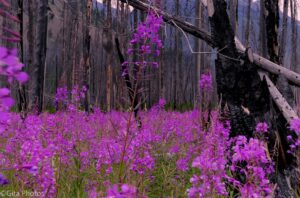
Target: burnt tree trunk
{"type": "Point", "coordinates": [108, 35]}
{"type": "Point", "coordinates": [233, 12]}
{"type": "Point", "coordinates": [40, 53]}
{"type": "Point", "coordinates": [272, 25]}
{"type": "Point", "coordinates": [247, 32]}
{"type": "Point", "coordinates": [22, 101]}
{"type": "Point", "coordinates": [239, 84]}
{"type": "Point", "coordinates": [284, 31]}
{"type": "Point", "coordinates": [199, 58]}
{"type": "Point", "coordinates": [31, 44]}
{"type": "Point", "coordinates": [86, 54]}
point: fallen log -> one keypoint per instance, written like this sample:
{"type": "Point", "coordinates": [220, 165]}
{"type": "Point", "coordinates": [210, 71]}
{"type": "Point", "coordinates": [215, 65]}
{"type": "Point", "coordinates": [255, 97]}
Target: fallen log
{"type": "Point", "coordinates": [259, 61]}
{"type": "Point", "coordinates": [277, 97]}
{"type": "Point", "coordinates": [270, 66]}
{"type": "Point", "coordinates": [284, 107]}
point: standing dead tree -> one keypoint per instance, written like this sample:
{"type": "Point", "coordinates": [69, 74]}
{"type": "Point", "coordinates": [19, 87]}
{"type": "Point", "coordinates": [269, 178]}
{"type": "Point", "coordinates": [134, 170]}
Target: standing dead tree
{"type": "Point", "coordinates": [22, 101]}
{"type": "Point", "coordinates": [86, 54]}
{"type": "Point", "coordinates": [40, 53]}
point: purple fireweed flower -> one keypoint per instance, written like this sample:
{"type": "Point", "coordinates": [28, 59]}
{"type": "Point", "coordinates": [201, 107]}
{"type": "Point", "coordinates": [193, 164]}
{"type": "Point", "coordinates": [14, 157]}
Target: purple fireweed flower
{"type": "Point", "coordinates": [162, 102]}
{"type": "Point", "coordinates": [262, 127]}
{"type": "Point", "coordinates": [155, 64]}
{"type": "Point", "coordinates": [205, 81]}
{"type": "Point", "coordinates": [3, 180]}
{"type": "Point", "coordinates": [295, 126]}
{"type": "Point", "coordinates": [211, 162]}
{"type": "Point", "coordinates": [294, 142]}
{"type": "Point", "coordinates": [147, 36]}
{"type": "Point", "coordinates": [183, 164]}
{"type": "Point", "coordinates": [11, 68]}
{"type": "Point", "coordinates": [256, 169]}
{"type": "Point", "coordinates": [33, 170]}
{"type": "Point", "coordinates": [125, 191]}
{"type": "Point", "coordinates": [6, 102]}
{"type": "Point", "coordinates": [61, 94]}
{"type": "Point", "coordinates": [93, 193]}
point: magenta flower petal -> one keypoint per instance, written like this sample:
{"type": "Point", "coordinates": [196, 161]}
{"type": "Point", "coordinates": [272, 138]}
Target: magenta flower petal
{"type": "Point", "coordinates": [4, 92]}
{"type": "Point", "coordinates": [22, 77]}
{"type": "Point", "coordinates": [3, 180]}
{"type": "Point", "coordinates": [7, 101]}
{"type": "Point", "coordinates": [3, 52]}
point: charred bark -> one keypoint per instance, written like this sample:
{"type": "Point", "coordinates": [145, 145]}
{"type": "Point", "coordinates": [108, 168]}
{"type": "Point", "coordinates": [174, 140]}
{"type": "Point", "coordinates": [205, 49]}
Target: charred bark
{"type": "Point", "coordinates": [22, 101]}
{"type": "Point", "coordinates": [109, 69]}
{"type": "Point", "coordinates": [239, 84]}
{"type": "Point", "coordinates": [233, 12]}
{"type": "Point", "coordinates": [40, 53]}
{"type": "Point", "coordinates": [86, 55]}
{"type": "Point", "coordinates": [284, 31]}
{"type": "Point", "coordinates": [272, 25]}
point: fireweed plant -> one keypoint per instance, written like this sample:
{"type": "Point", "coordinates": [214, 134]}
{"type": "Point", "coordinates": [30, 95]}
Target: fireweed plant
{"type": "Point", "coordinates": [72, 154]}
{"type": "Point", "coordinates": [145, 42]}
{"type": "Point", "coordinates": [294, 141]}
{"type": "Point", "coordinates": [11, 68]}
{"type": "Point", "coordinates": [206, 90]}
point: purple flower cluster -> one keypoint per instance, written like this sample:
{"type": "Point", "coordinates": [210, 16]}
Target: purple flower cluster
{"type": "Point", "coordinates": [262, 127]}
{"type": "Point", "coordinates": [61, 94]}
{"type": "Point", "coordinates": [77, 94]}
{"type": "Point", "coordinates": [162, 102]}
{"type": "Point", "coordinates": [143, 163]}
{"type": "Point", "coordinates": [212, 163]}
{"type": "Point", "coordinates": [147, 35]}
{"type": "Point", "coordinates": [11, 68]}
{"type": "Point", "coordinates": [294, 140]}
{"type": "Point", "coordinates": [295, 126]}
{"type": "Point", "coordinates": [48, 145]}
{"type": "Point", "coordinates": [5, 98]}
{"type": "Point", "coordinates": [3, 180]}
{"type": "Point", "coordinates": [205, 82]}
{"type": "Point", "coordinates": [125, 191]}
{"type": "Point", "coordinates": [250, 160]}
{"type": "Point", "coordinates": [96, 141]}
{"type": "Point", "coordinates": [147, 39]}
{"type": "Point", "coordinates": [36, 160]}
{"type": "Point", "coordinates": [183, 164]}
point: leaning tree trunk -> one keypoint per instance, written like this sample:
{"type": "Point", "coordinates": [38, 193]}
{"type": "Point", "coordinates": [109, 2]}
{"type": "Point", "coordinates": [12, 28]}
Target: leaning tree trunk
{"type": "Point", "coordinates": [40, 53]}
